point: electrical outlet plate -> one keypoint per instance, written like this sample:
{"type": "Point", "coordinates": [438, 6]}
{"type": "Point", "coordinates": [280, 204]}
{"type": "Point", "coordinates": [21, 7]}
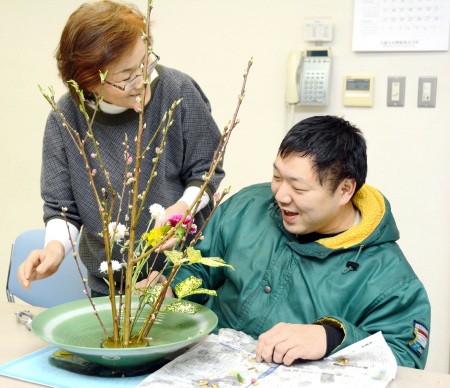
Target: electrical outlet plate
{"type": "Point", "coordinates": [426, 97]}
{"type": "Point", "coordinates": [396, 91]}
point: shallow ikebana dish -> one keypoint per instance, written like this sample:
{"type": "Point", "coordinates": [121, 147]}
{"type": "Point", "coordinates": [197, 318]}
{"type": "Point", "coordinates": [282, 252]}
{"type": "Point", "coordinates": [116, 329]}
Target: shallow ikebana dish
{"type": "Point", "coordinates": [73, 327]}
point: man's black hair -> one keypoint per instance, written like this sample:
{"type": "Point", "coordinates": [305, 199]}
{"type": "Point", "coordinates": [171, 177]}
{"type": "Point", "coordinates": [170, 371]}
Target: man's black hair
{"type": "Point", "coordinates": [336, 147]}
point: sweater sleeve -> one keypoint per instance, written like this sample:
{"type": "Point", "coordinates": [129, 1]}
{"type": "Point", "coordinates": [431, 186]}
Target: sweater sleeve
{"type": "Point", "coordinates": [56, 185]}
{"type": "Point", "coordinates": [201, 137]}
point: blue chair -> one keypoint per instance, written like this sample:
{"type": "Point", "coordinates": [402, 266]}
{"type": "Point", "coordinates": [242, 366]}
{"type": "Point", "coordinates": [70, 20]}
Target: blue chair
{"type": "Point", "coordinates": [63, 286]}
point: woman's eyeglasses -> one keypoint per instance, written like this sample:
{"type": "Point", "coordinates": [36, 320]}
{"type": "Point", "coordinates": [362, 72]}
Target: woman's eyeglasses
{"type": "Point", "coordinates": [132, 82]}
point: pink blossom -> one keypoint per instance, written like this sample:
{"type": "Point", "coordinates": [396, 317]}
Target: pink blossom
{"type": "Point", "coordinates": [193, 229]}
{"type": "Point", "coordinates": [176, 218]}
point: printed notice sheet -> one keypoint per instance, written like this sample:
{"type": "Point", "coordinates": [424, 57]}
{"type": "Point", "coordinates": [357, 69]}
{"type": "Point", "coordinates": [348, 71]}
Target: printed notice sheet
{"type": "Point", "coordinates": [228, 360]}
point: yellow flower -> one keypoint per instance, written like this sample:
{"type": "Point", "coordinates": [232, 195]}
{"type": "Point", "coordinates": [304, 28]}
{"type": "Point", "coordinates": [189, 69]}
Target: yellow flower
{"type": "Point", "coordinates": [155, 235]}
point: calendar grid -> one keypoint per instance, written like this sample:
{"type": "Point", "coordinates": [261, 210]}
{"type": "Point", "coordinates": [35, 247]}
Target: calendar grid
{"type": "Point", "coordinates": [401, 25]}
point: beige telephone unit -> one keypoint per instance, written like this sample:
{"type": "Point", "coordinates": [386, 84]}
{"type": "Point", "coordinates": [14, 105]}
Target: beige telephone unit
{"type": "Point", "coordinates": [308, 77]}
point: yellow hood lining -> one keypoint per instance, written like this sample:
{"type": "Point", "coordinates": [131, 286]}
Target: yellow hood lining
{"type": "Point", "coordinates": [370, 202]}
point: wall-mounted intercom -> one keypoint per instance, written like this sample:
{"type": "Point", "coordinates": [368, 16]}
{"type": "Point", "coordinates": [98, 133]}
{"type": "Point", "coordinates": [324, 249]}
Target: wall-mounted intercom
{"type": "Point", "coordinates": [308, 77]}
{"type": "Point", "coordinates": [358, 90]}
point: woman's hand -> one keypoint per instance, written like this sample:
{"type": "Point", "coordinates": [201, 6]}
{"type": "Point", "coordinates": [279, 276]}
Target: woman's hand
{"type": "Point", "coordinates": [41, 263]}
{"type": "Point", "coordinates": [177, 207]}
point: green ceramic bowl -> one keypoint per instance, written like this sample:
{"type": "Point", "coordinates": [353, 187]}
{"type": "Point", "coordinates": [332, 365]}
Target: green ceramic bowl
{"type": "Point", "coordinates": [74, 328]}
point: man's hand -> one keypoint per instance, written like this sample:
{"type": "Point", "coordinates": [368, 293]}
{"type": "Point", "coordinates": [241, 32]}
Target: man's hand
{"type": "Point", "coordinates": [285, 343]}
{"type": "Point", "coordinates": [41, 264]}
{"type": "Point", "coordinates": [150, 280]}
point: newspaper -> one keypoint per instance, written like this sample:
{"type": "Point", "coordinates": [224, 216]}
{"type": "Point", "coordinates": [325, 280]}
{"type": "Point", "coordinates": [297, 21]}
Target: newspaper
{"type": "Point", "coordinates": [228, 360]}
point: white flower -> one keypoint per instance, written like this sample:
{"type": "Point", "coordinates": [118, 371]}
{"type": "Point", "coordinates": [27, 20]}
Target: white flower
{"type": "Point", "coordinates": [117, 231]}
{"type": "Point", "coordinates": [158, 212]}
{"type": "Point", "coordinates": [103, 267]}
{"type": "Point", "coordinates": [114, 263]}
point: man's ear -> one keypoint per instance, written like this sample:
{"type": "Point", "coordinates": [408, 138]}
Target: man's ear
{"type": "Point", "coordinates": [347, 189]}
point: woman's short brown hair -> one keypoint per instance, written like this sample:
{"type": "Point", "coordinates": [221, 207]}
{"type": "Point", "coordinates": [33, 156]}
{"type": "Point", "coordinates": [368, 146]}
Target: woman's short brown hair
{"type": "Point", "coordinates": [96, 35]}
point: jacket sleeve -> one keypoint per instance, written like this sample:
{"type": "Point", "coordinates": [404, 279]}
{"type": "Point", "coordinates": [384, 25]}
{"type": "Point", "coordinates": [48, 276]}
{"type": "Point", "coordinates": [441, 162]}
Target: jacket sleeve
{"type": "Point", "coordinates": [402, 314]}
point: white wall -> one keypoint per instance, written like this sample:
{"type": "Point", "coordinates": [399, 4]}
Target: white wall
{"type": "Point", "coordinates": [212, 41]}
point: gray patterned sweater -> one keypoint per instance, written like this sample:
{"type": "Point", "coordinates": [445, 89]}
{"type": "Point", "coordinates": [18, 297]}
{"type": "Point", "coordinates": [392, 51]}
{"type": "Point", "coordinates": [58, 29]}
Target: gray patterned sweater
{"type": "Point", "coordinates": [189, 150]}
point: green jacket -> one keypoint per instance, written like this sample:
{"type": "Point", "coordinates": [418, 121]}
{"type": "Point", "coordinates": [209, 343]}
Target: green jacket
{"type": "Point", "coordinates": [277, 279]}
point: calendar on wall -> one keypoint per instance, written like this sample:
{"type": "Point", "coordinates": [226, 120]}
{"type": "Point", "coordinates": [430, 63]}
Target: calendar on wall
{"type": "Point", "coordinates": [401, 25]}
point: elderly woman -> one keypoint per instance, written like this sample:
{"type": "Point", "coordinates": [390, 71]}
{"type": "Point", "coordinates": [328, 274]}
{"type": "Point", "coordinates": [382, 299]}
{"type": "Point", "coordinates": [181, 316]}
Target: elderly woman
{"type": "Point", "coordinates": [105, 37]}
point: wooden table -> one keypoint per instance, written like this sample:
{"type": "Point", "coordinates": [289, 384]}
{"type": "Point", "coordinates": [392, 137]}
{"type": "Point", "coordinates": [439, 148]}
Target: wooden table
{"type": "Point", "coordinates": [17, 341]}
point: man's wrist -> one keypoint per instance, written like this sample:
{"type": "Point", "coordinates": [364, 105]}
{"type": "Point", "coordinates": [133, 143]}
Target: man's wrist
{"type": "Point", "coordinates": [335, 336]}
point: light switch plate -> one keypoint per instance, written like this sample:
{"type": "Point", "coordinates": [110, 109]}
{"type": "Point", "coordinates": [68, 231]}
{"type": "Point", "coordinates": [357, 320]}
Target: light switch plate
{"type": "Point", "coordinates": [396, 91]}
{"type": "Point", "coordinates": [426, 96]}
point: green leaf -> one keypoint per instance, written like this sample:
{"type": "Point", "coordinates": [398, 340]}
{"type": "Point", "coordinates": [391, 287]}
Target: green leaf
{"type": "Point", "coordinates": [103, 75]}
{"type": "Point", "coordinates": [195, 256]}
{"type": "Point", "coordinates": [151, 295]}
{"type": "Point", "coordinates": [174, 256]}
{"type": "Point", "coordinates": [191, 286]}
{"type": "Point", "coordinates": [204, 291]}
{"type": "Point", "coordinates": [179, 232]}
{"type": "Point", "coordinates": [181, 306]}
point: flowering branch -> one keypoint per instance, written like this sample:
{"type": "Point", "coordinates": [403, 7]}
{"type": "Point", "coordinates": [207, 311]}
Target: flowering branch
{"type": "Point", "coordinates": [136, 250]}
{"type": "Point", "coordinates": [218, 156]}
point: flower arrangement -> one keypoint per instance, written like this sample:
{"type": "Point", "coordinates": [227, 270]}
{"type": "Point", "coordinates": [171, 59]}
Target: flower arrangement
{"type": "Point", "coordinates": [137, 250]}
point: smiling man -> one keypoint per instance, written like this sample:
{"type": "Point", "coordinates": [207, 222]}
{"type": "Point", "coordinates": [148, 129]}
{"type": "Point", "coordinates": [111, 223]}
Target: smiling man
{"type": "Point", "coordinates": [317, 266]}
